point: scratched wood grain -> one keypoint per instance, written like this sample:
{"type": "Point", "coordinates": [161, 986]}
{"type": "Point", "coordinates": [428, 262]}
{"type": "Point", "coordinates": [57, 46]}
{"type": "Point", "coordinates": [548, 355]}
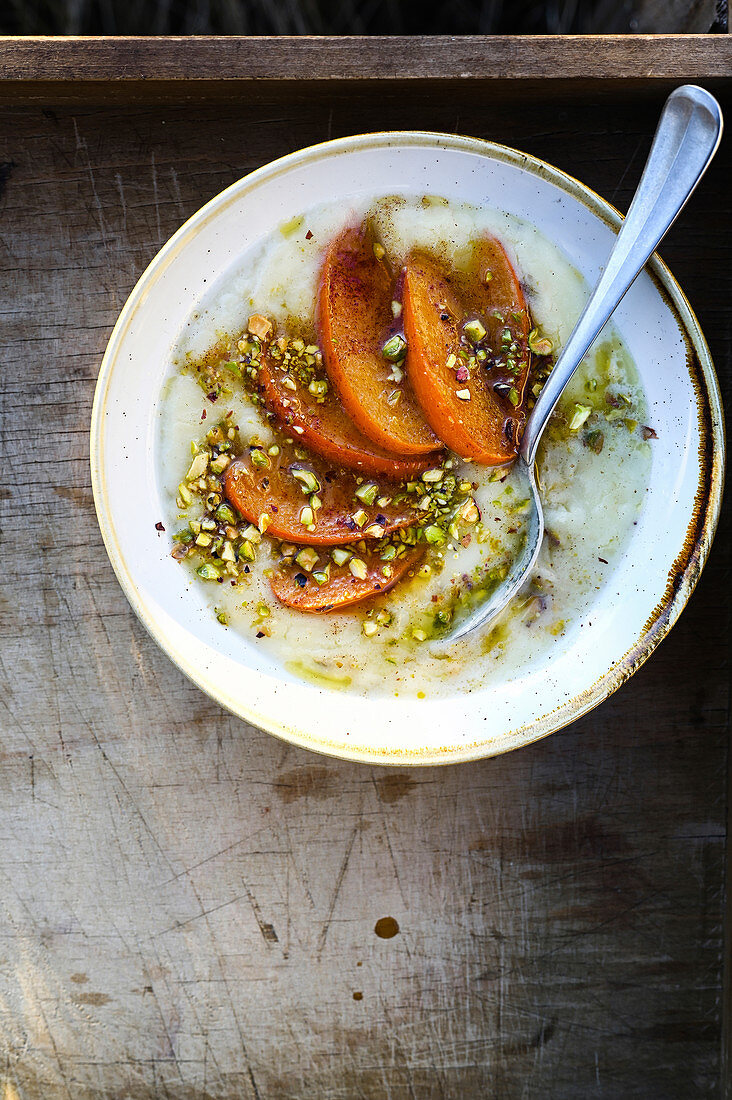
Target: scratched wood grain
{"type": "Point", "coordinates": [187, 905]}
{"type": "Point", "coordinates": [84, 70]}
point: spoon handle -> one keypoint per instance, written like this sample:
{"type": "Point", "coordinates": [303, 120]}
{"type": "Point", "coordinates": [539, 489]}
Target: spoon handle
{"type": "Point", "coordinates": [686, 139]}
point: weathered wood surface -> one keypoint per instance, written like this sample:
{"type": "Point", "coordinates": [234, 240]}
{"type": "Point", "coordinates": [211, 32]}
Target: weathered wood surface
{"type": "Point", "coordinates": [243, 59]}
{"type": "Point", "coordinates": [188, 905]}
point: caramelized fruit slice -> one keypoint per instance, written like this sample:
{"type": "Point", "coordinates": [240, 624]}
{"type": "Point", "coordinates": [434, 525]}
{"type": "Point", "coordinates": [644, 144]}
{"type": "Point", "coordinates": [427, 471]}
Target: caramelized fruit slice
{"type": "Point", "coordinates": [328, 430]}
{"type": "Point", "coordinates": [355, 320]}
{"type": "Point", "coordinates": [297, 588]}
{"type": "Point", "coordinates": [476, 409]}
{"type": "Point", "coordinates": [281, 487]}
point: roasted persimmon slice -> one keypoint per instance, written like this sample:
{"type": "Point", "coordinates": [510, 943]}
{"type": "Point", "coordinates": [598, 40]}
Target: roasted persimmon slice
{"type": "Point", "coordinates": [323, 425]}
{"type": "Point", "coordinates": [281, 487]}
{"type": "Point", "coordinates": [467, 350]}
{"type": "Point", "coordinates": [355, 321]}
{"type": "Point", "coordinates": [299, 588]}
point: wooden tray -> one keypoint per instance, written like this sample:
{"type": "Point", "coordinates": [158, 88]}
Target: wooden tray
{"type": "Point", "coordinates": [193, 909]}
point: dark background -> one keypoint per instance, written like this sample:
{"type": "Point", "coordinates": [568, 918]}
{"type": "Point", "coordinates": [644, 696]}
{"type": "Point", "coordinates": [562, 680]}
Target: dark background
{"type": "Point", "coordinates": [361, 16]}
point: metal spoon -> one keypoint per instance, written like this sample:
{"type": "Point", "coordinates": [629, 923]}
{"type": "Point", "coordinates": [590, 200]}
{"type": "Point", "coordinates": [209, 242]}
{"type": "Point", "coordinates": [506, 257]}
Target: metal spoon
{"type": "Point", "coordinates": [686, 139]}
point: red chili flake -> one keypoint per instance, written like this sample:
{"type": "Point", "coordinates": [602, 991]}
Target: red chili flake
{"type": "Point", "coordinates": [512, 530]}
{"type": "Point", "coordinates": [159, 527]}
{"type": "Point", "coordinates": [461, 374]}
{"type": "Point", "coordinates": [203, 414]}
{"type": "Point", "coordinates": [229, 413]}
{"type": "Point", "coordinates": [213, 396]}
{"type": "Point", "coordinates": [308, 235]}
{"type": "Point", "coordinates": [648, 433]}
{"type": "Point", "coordinates": [603, 560]}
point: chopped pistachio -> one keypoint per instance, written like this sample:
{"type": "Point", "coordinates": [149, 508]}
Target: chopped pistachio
{"type": "Point", "coordinates": [432, 477]}
{"type": "Point", "coordinates": [289, 383]}
{"type": "Point", "coordinates": [369, 628]}
{"type": "Point", "coordinates": [396, 374]}
{"type": "Point", "coordinates": [474, 331]}
{"type": "Point", "coordinates": [540, 345]}
{"type": "Point", "coordinates": [513, 396]}
{"type": "Point", "coordinates": [198, 467]}
{"type": "Point", "coordinates": [394, 397]}
{"type": "Point", "coordinates": [379, 250]}
{"type": "Point", "coordinates": [273, 451]}
{"type": "Point", "coordinates": [208, 572]}
{"type": "Point", "coordinates": [227, 552]}
{"type": "Point", "coordinates": [288, 549]}
{"type": "Point", "coordinates": [307, 479]}
{"type": "Point", "coordinates": [185, 493]}
{"type": "Point", "coordinates": [418, 634]}
{"type": "Point", "coordinates": [225, 515]}
{"type": "Point", "coordinates": [375, 531]}
{"type": "Point", "coordinates": [318, 387]}
{"type": "Point", "coordinates": [358, 568]}
{"type": "Point", "coordinates": [359, 517]}
{"type": "Point", "coordinates": [203, 540]}
{"type": "Point", "coordinates": [451, 360]}
{"type": "Point", "coordinates": [434, 535]}
{"type": "Point", "coordinates": [388, 553]}
{"type": "Point", "coordinates": [340, 556]}
{"type": "Point", "coordinates": [322, 576]}
{"type": "Point", "coordinates": [368, 492]}
{"type": "Point", "coordinates": [222, 617]}
{"type": "Point", "coordinates": [488, 276]}
{"type": "Point", "coordinates": [307, 516]}
{"type": "Point", "coordinates": [595, 440]}
{"type": "Point", "coordinates": [307, 558]}
{"type": "Point", "coordinates": [395, 348]}
{"type": "Point", "coordinates": [251, 532]}
{"type": "Point", "coordinates": [263, 611]}
{"type": "Point", "coordinates": [396, 309]}
{"type": "Point", "coordinates": [258, 458]}
{"type": "Point", "coordinates": [468, 511]}
{"type": "Point", "coordinates": [383, 617]}
{"type": "Point", "coordinates": [463, 395]}
{"type": "Point", "coordinates": [263, 522]}
{"type": "Point", "coordinates": [581, 413]}
{"type": "Point", "coordinates": [246, 550]}
{"type": "Point", "coordinates": [219, 464]}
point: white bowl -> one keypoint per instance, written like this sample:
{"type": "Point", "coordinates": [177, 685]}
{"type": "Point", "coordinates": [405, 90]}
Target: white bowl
{"type": "Point", "coordinates": [639, 602]}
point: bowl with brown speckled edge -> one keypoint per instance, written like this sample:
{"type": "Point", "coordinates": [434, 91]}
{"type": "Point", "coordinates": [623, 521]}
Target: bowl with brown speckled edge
{"type": "Point", "coordinates": [656, 575]}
